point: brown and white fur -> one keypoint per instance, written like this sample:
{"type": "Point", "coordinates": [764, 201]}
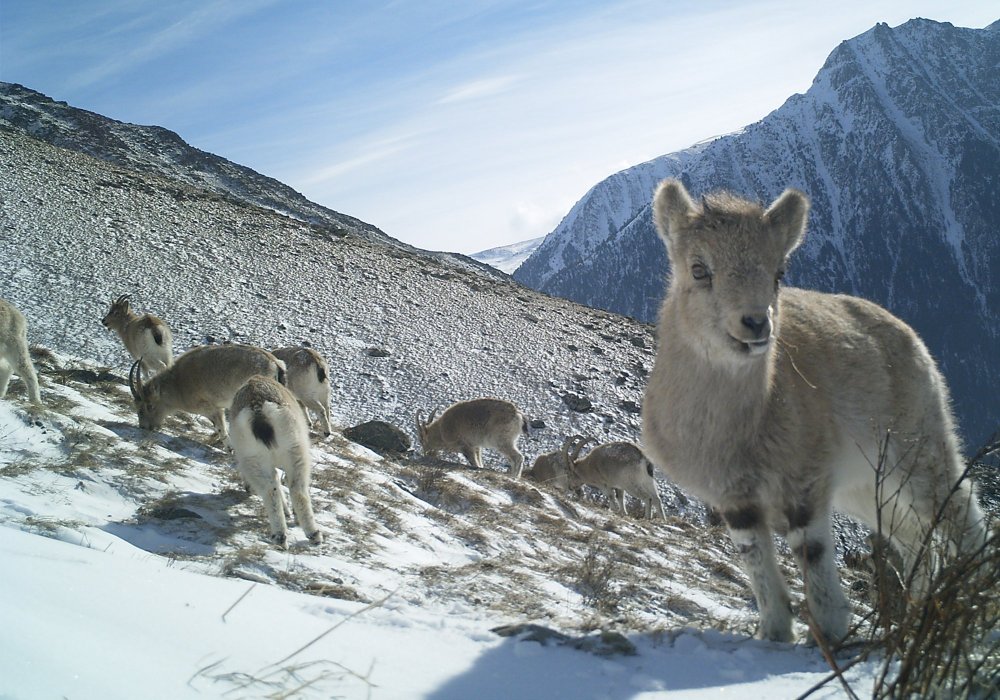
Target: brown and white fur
{"type": "Point", "coordinates": [772, 404]}
{"type": "Point", "coordinates": [146, 336]}
{"type": "Point", "coordinates": [469, 426]}
{"type": "Point", "coordinates": [269, 433]}
{"type": "Point", "coordinates": [309, 380]}
{"type": "Point", "coordinates": [203, 380]}
{"type": "Point", "coordinates": [14, 355]}
{"type": "Point", "coordinates": [617, 468]}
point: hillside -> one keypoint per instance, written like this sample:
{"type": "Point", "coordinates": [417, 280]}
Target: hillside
{"type": "Point", "coordinates": [897, 143]}
{"type": "Point", "coordinates": [144, 547]}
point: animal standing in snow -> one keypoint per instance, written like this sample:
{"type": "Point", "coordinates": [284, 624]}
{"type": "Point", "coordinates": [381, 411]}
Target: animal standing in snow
{"type": "Point", "coordinates": [774, 404]}
{"type": "Point", "coordinates": [616, 468]}
{"type": "Point", "coordinates": [550, 467]}
{"type": "Point", "coordinates": [14, 355]}
{"type": "Point", "coordinates": [309, 379]}
{"type": "Point", "coordinates": [269, 433]}
{"type": "Point", "coordinates": [203, 380]}
{"type": "Point", "coordinates": [146, 337]}
{"type": "Point", "coordinates": [469, 426]}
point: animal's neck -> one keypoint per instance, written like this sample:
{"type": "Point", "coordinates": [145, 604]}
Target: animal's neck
{"type": "Point", "coordinates": [718, 392]}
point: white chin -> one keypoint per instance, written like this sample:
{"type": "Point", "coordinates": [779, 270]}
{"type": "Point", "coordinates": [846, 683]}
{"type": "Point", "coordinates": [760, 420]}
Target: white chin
{"type": "Point", "coordinates": [758, 348]}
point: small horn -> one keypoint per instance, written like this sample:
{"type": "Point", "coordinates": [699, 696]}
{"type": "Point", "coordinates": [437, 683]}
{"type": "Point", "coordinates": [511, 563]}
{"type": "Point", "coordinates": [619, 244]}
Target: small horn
{"type": "Point", "coordinates": [430, 419]}
{"type": "Point", "coordinates": [123, 298]}
{"type": "Point", "coordinates": [135, 381]}
{"type": "Point", "coordinates": [420, 419]}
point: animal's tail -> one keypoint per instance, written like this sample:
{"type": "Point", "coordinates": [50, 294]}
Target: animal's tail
{"type": "Point", "coordinates": [282, 373]}
{"type": "Point", "coordinates": [158, 335]}
{"type": "Point", "coordinates": [320, 374]}
{"type": "Point", "coordinates": [262, 429]}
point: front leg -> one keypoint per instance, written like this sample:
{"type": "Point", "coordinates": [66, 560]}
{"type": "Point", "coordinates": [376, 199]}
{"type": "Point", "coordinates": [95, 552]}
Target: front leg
{"type": "Point", "coordinates": [810, 538]}
{"type": "Point", "coordinates": [218, 418]}
{"type": "Point", "coordinates": [471, 455]}
{"type": "Point", "coordinates": [755, 542]}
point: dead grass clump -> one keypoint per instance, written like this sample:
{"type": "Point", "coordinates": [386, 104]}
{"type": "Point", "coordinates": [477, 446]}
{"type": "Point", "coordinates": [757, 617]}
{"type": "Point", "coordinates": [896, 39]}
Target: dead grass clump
{"type": "Point", "coordinates": [594, 577]}
{"type": "Point", "coordinates": [944, 643]}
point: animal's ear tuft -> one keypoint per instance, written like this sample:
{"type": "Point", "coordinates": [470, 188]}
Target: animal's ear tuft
{"type": "Point", "coordinates": [672, 209]}
{"type": "Point", "coordinates": [787, 217]}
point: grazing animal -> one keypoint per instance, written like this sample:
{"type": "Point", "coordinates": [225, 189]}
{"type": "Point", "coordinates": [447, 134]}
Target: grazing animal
{"type": "Point", "coordinates": [203, 380]}
{"type": "Point", "coordinates": [550, 467]}
{"type": "Point", "coordinates": [616, 468]}
{"type": "Point", "coordinates": [14, 355]}
{"type": "Point", "coordinates": [269, 433]}
{"type": "Point", "coordinates": [309, 380]}
{"type": "Point", "coordinates": [146, 337]}
{"type": "Point", "coordinates": [774, 405]}
{"type": "Point", "coordinates": [469, 426]}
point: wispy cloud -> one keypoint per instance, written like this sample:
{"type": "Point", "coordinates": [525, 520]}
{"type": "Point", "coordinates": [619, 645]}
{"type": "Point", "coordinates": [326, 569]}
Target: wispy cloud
{"type": "Point", "coordinates": [182, 24]}
{"type": "Point", "coordinates": [477, 89]}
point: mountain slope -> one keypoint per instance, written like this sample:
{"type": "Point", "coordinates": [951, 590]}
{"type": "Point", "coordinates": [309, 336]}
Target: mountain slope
{"type": "Point", "coordinates": [897, 143]}
{"type": "Point", "coordinates": [155, 150]}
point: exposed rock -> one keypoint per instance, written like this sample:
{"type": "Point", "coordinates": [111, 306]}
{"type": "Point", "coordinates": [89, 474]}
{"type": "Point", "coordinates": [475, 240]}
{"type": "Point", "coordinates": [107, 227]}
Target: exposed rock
{"type": "Point", "coordinates": [379, 436]}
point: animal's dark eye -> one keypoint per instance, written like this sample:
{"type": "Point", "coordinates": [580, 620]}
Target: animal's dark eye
{"type": "Point", "coordinates": [780, 275]}
{"type": "Point", "coordinates": [700, 272]}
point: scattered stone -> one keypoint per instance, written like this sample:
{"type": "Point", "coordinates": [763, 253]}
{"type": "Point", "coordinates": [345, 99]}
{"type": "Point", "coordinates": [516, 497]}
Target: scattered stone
{"type": "Point", "coordinates": [630, 406]}
{"type": "Point", "coordinates": [379, 436]}
{"type": "Point", "coordinates": [377, 352]}
{"type": "Point", "coordinates": [603, 643]}
{"type": "Point", "coordinates": [172, 513]}
{"type": "Point", "coordinates": [575, 402]}
{"type": "Point", "coordinates": [536, 423]}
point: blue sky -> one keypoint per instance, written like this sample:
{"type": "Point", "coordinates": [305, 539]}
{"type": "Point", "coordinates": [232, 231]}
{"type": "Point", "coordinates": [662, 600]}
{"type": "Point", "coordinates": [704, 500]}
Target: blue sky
{"type": "Point", "coordinates": [450, 125]}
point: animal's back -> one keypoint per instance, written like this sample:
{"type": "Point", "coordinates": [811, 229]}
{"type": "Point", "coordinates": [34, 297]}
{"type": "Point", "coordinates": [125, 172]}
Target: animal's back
{"type": "Point", "coordinates": [222, 369]}
{"type": "Point", "coordinates": [481, 418]}
{"type": "Point", "coordinates": [870, 370]}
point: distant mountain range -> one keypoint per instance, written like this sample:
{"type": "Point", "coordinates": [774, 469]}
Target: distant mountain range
{"type": "Point", "coordinates": [509, 257]}
{"type": "Point", "coordinates": [897, 143]}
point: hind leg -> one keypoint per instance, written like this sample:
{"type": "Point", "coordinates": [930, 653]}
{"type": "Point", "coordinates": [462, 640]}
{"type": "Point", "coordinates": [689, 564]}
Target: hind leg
{"type": "Point", "coordinates": [5, 372]}
{"type": "Point", "coordinates": [298, 489]}
{"type": "Point", "coordinates": [26, 370]}
{"type": "Point", "coordinates": [516, 460]}
{"type": "Point", "coordinates": [264, 482]}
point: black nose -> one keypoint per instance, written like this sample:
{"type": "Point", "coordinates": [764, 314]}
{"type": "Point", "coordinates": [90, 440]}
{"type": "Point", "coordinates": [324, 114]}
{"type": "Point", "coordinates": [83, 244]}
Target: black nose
{"type": "Point", "coordinates": [760, 326]}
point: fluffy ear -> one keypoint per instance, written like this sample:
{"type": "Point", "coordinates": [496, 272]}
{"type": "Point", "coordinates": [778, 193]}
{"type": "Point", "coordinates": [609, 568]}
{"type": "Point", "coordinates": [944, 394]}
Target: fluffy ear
{"type": "Point", "coordinates": [787, 218]}
{"type": "Point", "coordinates": [672, 209]}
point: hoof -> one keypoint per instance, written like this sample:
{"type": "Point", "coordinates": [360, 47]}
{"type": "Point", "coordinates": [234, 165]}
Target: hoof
{"type": "Point", "coordinates": [316, 537]}
{"type": "Point", "coordinates": [280, 539]}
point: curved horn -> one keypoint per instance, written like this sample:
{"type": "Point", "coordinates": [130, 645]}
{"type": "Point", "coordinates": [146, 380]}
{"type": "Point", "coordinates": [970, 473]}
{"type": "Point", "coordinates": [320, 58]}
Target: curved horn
{"type": "Point", "coordinates": [135, 381]}
{"type": "Point", "coordinates": [420, 419]}
{"type": "Point", "coordinates": [123, 298]}
{"type": "Point", "coordinates": [579, 442]}
{"type": "Point", "coordinates": [430, 419]}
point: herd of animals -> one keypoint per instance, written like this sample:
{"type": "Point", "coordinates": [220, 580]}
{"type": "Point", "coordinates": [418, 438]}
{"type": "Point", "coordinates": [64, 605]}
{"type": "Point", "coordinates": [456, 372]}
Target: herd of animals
{"type": "Point", "coordinates": [774, 405]}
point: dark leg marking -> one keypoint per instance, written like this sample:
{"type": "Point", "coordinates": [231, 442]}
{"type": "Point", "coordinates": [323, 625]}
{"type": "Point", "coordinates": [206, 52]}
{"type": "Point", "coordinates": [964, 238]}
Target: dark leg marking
{"type": "Point", "coordinates": [745, 518]}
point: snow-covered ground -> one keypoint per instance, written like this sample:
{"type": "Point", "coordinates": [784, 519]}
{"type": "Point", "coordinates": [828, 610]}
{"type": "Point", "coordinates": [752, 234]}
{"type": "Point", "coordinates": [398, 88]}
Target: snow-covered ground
{"type": "Point", "coordinates": [134, 566]}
